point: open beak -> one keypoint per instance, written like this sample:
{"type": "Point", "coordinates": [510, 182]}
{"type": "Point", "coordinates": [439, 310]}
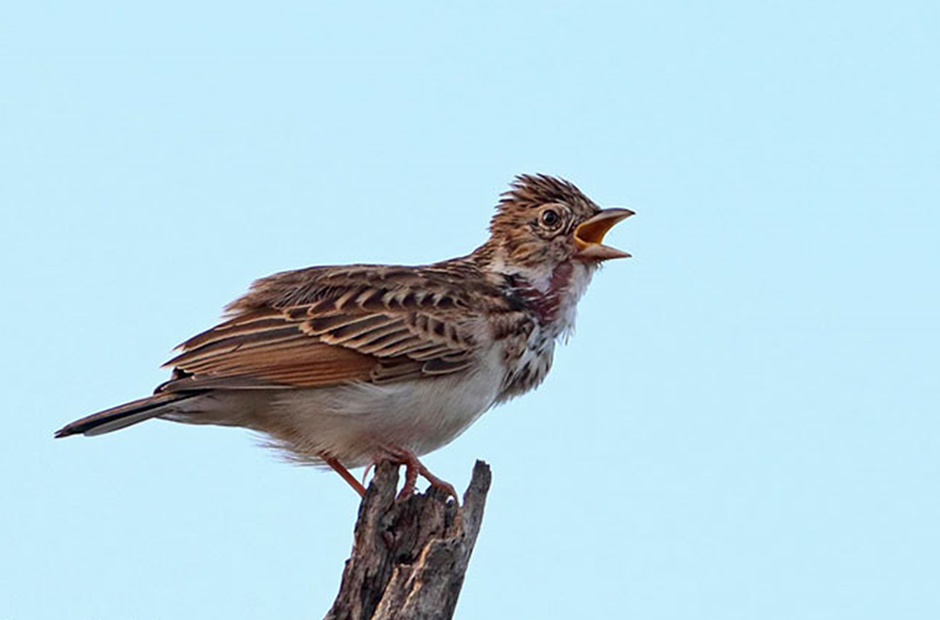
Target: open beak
{"type": "Point", "coordinates": [589, 235]}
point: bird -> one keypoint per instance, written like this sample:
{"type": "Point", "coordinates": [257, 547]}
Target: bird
{"type": "Point", "coordinates": [347, 366]}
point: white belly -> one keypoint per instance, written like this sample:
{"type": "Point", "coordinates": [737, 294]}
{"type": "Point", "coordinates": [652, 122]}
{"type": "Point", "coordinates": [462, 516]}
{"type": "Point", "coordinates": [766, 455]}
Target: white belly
{"type": "Point", "coordinates": [354, 422]}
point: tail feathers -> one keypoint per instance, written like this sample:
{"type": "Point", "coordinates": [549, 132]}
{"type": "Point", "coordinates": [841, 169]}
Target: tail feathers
{"type": "Point", "coordinates": [124, 415]}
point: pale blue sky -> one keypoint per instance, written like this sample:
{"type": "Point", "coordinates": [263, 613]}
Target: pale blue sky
{"type": "Point", "coordinates": [745, 425]}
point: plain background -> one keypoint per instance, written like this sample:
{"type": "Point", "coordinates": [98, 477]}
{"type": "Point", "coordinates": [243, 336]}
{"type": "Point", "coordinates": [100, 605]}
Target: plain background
{"type": "Point", "coordinates": [745, 425]}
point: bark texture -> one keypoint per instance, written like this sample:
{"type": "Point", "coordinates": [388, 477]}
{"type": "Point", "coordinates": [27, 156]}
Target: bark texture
{"type": "Point", "coordinates": [409, 556]}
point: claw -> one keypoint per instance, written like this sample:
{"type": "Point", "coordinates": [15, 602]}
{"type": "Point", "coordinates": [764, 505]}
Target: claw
{"type": "Point", "coordinates": [365, 474]}
{"type": "Point", "coordinates": [415, 468]}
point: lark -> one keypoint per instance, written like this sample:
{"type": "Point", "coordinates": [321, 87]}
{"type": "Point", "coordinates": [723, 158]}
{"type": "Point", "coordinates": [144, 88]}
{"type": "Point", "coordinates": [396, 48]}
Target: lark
{"type": "Point", "coordinates": [347, 366]}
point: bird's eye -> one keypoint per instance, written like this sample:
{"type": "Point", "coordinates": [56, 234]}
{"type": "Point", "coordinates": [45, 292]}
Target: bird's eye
{"type": "Point", "coordinates": [550, 218]}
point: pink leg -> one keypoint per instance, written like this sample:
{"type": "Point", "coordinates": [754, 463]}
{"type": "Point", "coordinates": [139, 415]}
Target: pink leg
{"type": "Point", "coordinates": [344, 473]}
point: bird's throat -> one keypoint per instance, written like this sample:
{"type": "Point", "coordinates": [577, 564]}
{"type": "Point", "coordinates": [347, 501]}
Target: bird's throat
{"type": "Point", "coordinates": [545, 304]}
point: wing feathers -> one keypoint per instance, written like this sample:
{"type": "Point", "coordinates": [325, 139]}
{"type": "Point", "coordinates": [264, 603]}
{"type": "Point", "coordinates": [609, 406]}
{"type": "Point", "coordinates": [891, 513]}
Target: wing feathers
{"type": "Point", "coordinates": [299, 363]}
{"type": "Point", "coordinates": [231, 344]}
{"type": "Point", "coordinates": [340, 333]}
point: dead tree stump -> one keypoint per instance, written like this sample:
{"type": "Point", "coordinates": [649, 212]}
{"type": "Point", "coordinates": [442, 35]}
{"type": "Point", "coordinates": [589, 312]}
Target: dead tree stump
{"type": "Point", "coordinates": [409, 556]}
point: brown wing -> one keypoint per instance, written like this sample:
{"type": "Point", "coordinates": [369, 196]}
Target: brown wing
{"type": "Point", "coordinates": [325, 326]}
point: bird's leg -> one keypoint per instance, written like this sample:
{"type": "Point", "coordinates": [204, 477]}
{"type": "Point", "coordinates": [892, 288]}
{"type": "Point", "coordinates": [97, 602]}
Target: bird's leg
{"type": "Point", "coordinates": [414, 468]}
{"type": "Point", "coordinates": [344, 473]}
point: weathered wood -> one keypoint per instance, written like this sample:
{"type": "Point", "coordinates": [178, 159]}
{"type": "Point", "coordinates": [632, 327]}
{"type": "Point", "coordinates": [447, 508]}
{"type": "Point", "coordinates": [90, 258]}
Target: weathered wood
{"type": "Point", "coordinates": [409, 556]}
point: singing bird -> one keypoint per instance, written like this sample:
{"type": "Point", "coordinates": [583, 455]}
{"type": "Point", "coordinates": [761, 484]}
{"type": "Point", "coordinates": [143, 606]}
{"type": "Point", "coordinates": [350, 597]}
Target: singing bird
{"type": "Point", "coordinates": [346, 366]}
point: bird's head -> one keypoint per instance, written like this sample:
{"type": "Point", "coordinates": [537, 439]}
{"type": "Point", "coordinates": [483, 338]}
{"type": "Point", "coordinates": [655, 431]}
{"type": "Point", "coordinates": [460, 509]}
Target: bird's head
{"type": "Point", "coordinates": [543, 221]}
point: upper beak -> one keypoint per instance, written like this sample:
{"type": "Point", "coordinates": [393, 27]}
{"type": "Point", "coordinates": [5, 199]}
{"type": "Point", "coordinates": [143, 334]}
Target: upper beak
{"type": "Point", "coordinates": [589, 235]}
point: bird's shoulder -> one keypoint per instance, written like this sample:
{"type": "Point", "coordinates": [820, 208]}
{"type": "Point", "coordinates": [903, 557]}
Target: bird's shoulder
{"type": "Point", "coordinates": [456, 286]}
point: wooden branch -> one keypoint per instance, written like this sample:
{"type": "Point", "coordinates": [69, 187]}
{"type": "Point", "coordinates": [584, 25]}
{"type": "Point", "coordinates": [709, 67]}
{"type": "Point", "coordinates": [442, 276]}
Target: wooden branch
{"type": "Point", "coordinates": [409, 556]}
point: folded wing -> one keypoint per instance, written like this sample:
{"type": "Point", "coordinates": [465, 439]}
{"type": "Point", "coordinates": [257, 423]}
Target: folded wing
{"type": "Point", "coordinates": [326, 326]}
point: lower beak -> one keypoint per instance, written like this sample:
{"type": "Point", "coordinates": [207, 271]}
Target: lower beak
{"type": "Point", "coordinates": [589, 235]}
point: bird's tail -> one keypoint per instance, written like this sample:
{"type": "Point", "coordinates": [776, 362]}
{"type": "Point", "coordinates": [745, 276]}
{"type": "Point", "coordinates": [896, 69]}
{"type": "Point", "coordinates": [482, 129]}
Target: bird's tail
{"type": "Point", "coordinates": [125, 415]}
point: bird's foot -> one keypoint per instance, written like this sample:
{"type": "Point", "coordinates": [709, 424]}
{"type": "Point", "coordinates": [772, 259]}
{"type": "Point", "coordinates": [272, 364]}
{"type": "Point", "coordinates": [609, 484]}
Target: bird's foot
{"type": "Point", "coordinates": [413, 469]}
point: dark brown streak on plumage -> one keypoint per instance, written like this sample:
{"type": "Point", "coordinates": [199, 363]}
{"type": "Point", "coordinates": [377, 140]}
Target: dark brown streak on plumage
{"type": "Point", "coordinates": [530, 191]}
{"type": "Point", "coordinates": [545, 306]}
{"type": "Point", "coordinates": [355, 323]}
